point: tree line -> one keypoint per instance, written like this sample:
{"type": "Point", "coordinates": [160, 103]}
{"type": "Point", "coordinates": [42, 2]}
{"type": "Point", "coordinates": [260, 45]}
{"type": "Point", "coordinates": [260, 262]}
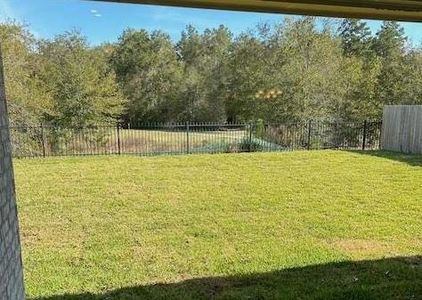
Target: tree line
{"type": "Point", "coordinates": [301, 68]}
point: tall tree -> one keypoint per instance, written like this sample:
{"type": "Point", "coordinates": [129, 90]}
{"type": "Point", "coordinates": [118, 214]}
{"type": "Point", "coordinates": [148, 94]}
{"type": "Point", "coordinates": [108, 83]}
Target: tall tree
{"type": "Point", "coordinates": [360, 71]}
{"type": "Point", "coordinates": [149, 75]}
{"type": "Point", "coordinates": [247, 78]}
{"type": "Point", "coordinates": [286, 72]}
{"type": "Point", "coordinates": [390, 40]}
{"type": "Point", "coordinates": [205, 60]}
{"type": "Point", "coordinates": [355, 36]}
{"type": "Point", "coordinates": [390, 45]}
{"type": "Point", "coordinates": [81, 83]}
{"type": "Point", "coordinates": [310, 75]}
{"type": "Point", "coordinates": [27, 98]}
{"type": "Point", "coordinates": [359, 82]}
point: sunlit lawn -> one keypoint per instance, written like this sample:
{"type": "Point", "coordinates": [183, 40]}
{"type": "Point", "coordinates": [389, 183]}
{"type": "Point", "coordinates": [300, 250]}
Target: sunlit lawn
{"type": "Point", "coordinates": [161, 141]}
{"type": "Point", "coordinates": [251, 226]}
{"type": "Point", "coordinates": [106, 140]}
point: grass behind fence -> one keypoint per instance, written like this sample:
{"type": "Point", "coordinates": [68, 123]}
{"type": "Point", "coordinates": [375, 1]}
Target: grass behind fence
{"type": "Point", "coordinates": [154, 139]}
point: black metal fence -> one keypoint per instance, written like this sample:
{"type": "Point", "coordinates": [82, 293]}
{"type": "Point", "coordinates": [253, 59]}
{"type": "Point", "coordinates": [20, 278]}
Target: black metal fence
{"type": "Point", "coordinates": [188, 138]}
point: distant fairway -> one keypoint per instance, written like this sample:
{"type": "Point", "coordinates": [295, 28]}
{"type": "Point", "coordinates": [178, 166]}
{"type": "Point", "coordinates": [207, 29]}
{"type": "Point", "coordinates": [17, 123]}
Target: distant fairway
{"type": "Point", "coordinates": [161, 141]}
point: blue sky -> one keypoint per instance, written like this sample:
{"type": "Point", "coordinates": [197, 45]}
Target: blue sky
{"type": "Point", "coordinates": [103, 22]}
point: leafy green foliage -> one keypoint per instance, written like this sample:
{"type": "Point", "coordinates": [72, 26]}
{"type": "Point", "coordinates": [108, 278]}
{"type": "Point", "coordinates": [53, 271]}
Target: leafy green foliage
{"type": "Point", "coordinates": [205, 72]}
{"type": "Point", "coordinates": [27, 99]}
{"type": "Point", "coordinates": [356, 37]}
{"type": "Point", "coordinates": [282, 73]}
{"type": "Point", "coordinates": [80, 82]}
{"type": "Point", "coordinates": [149, 75]}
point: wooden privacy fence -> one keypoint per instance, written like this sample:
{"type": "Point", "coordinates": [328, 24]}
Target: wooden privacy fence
{"type": "Point", "coordinates": [402, 128]}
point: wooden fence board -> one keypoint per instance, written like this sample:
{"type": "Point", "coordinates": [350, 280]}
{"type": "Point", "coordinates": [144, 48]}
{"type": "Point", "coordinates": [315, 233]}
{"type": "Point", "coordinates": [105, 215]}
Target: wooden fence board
{"type": "Point", "coordinates": [402, 128]}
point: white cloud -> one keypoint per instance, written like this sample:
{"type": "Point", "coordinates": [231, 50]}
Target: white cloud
{"type": "Point", "coordinates": [94, 12]}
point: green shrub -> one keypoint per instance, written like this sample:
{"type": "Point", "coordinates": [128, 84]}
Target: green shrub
{"type": "Point", "coordinates": [251, 145]}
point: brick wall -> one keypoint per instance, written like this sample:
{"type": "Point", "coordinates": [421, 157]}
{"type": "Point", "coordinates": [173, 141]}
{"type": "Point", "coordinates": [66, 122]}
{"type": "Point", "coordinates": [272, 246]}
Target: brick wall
{"type": "Point", "coordinates": [11, 276]}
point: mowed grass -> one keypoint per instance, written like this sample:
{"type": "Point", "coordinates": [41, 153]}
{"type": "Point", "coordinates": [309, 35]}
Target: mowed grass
{"type": "Point", "coordinates": [161, 141]}
{"type": "Point", "coordinates": [106, 140]}
{"type": "Point", "coordinates": [318, 224]}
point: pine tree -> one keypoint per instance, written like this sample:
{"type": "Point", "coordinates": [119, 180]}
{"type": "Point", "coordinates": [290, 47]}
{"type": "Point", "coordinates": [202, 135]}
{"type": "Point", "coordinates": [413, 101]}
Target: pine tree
{"type": "Point", "coordinates": [356, 37]}
{"type": "Point", "coordinates": [390, 40]}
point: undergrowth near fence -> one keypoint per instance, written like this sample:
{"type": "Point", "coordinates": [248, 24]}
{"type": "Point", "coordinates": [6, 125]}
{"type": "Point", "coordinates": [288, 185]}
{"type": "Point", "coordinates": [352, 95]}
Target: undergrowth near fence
{"type": "Point", "coordinates": [190, 138]}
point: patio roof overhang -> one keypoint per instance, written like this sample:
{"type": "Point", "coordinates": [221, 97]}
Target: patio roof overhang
{"type": "Point", "coordinates": [400, 10]}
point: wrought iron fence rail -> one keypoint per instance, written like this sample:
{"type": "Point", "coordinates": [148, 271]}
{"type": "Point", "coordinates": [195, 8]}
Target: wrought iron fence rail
{"type": "Point", "coordinates": [189, 138]}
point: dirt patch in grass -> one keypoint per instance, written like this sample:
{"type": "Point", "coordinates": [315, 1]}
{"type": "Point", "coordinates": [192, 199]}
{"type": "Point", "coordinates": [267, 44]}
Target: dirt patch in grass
{"type": "Point", "coordinates": [359, 248]}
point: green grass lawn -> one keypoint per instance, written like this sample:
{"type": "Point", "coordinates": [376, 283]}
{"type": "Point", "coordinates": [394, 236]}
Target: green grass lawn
{"type": "Point", "coordinates": [308, 225]}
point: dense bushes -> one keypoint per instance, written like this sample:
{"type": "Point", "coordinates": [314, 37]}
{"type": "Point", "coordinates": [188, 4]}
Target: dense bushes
{"type": "Point", "coordinates": [284, 73]}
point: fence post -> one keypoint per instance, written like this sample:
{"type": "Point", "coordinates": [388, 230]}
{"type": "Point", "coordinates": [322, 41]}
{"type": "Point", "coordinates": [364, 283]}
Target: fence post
{"type": "Point", "coordinates": [187, 138]}
{"type": "Point", "coordinates": [250, 136]}
{"type": "Point", "coordinates": [309, 134]}
{"type": "Point", "coordinates": [118, 139]}
{"type": "Point", "coordinates": [43, 140]}
{"type": "Point", "coordinates": [364, 134]}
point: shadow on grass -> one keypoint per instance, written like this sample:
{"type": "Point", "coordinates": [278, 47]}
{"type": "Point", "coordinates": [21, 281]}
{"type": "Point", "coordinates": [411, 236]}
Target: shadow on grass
{"type": "Point", "coordinates": [410, 159]}
{"type": "Point", "coordinates": [390, 278]}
